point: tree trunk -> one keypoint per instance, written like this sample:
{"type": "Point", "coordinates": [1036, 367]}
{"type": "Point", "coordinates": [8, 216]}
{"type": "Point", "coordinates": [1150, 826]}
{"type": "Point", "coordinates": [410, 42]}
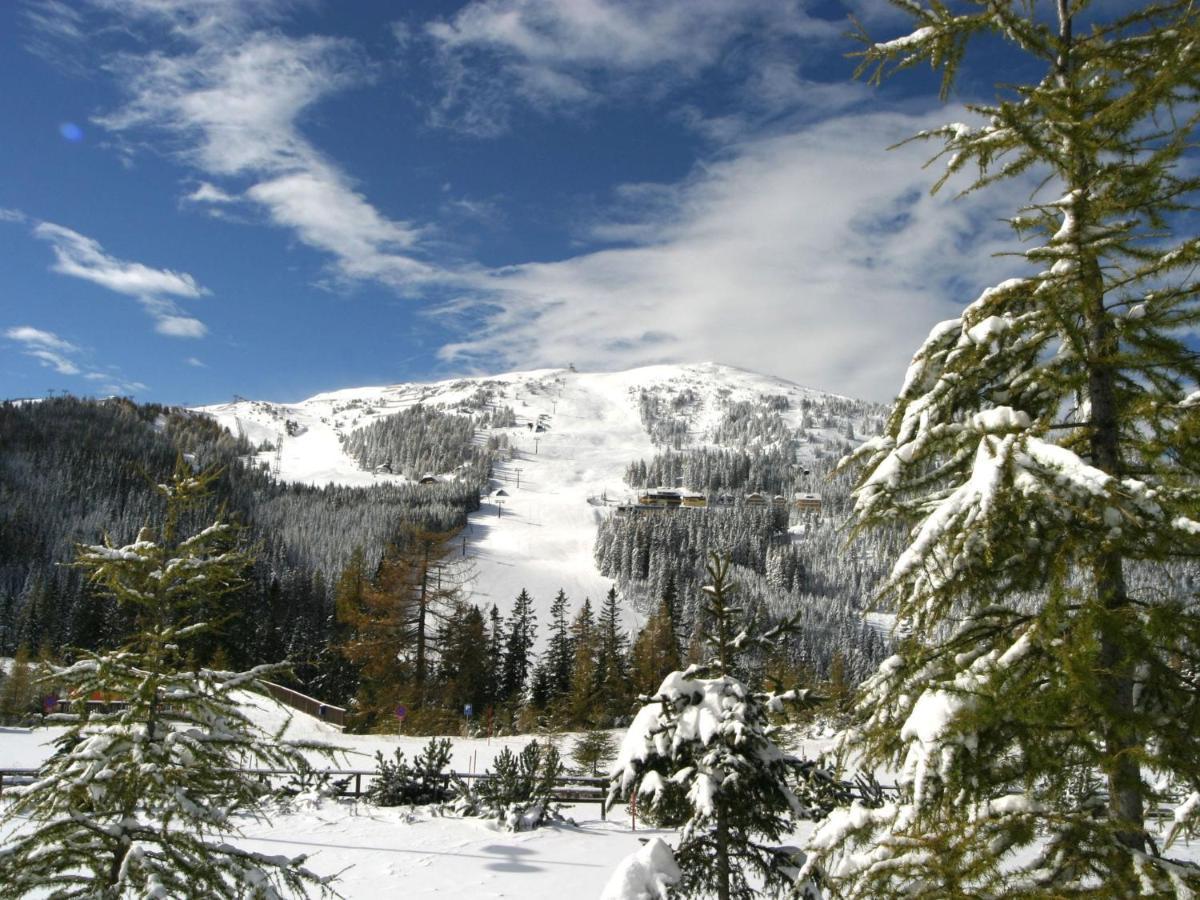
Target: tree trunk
{"type": "Point", "coordinates": [722, 853]}
{"type": "Point", "coordinates": [1126, 804]}
{"type": "Point", "coordinates": [422, 603]}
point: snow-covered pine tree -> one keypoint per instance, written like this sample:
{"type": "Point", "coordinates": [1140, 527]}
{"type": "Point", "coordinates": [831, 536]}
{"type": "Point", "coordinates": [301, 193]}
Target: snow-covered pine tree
{"type": "Point", "coordinates": [142, 801]}
{"type": "Point", "coordinates": [706, 733]}
{"type": "Point", "coordinates": [1043, 446]}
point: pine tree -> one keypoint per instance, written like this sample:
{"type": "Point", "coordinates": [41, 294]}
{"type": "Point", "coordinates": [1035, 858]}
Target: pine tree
{"type": "Point", "coordinates": [705, 733]}
{"type": "Point", "coordinates": [376, 617]}
{"type": "Point", "coordinates": [520, 634]}
{"type": "Point", "coordinates": [612, 660]}
{"type": "Point", "coordinates": [593, 751]}
{"type": "Point", "coordinates": [560, 653]}
{"type": "Point", "coordinates": [495, 656]}
{"type": "Point", "coordinates": [337, 676]}
{"type": "Point", "coordinates": [140, 801]}
{"type": "Point", "coordinates": [464, 670]}
{"type": "Point", "coordinates": [1043, 449]}
{"type": "Point", "coordinates": [584, 684]}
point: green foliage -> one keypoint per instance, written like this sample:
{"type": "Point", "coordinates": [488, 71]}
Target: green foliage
{"type": "Point", "coordinates": [18, 693]}
{"type": "Point", "coordinates": [517, 792]}
{"type": "Point", "coordinates": [593, 751]}
{"type": "Point", "coordinates": [141, 800]}
{"type": "Point", "coordinates": [426, 781]}
{"type": "Point", "coordinates": [1043, 451]}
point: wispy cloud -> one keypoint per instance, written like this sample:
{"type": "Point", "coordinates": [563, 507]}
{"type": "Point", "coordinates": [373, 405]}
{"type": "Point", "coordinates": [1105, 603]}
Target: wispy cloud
{"type": "Point", "coordinates": [45, 346]}
{"type": "Point", "coordinates": [155, 289]}
{"type": "Point", "coordinates": [818, 234]}
{"type": "Point", "coordinates": [64, 357]}
{"type": "Point", "coordinates": [554, 55]}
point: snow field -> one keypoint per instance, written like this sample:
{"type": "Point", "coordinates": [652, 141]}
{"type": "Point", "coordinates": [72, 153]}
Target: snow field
{"type": "Point", "coordinates": [384, 852]}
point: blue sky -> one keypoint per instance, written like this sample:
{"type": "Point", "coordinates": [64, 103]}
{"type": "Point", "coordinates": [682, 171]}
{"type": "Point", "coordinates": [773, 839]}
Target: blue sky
{"type": "Point", "coordinates": [274, 198]}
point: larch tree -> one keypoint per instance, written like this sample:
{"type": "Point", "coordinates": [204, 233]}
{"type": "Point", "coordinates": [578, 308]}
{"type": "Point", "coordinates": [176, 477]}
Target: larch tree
{"type": "Point", "coordinates": [141, 801]}
{"type": "Point", "coordinates": [1043, 450]}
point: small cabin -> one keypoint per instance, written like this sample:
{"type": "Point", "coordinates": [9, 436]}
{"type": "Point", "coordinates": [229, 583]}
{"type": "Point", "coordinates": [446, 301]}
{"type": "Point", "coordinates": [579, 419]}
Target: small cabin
{"type": "Point", "coordinates": [756, 499]}
{"type": "Point", "coordinates": [429, 479]}
{"type": "Point", "coordinates": [807, 502]}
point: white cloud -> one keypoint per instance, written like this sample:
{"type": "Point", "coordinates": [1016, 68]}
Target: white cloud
{"type": "Point", "coordinates": [82, 257]}
{"type": "Point", "coordinates": [180, 327]}
{"type": "Point", "coordinates": [234, 99]}
{"type": "Point", "coordinates": [195, 363]}
{"type": "Point", "coordinates": [328, 215]}
{"type": "Point", "coordinates": [820, 234]}
{"type": "Point", "coordinates": [11, 215]}
{"type": "Point", "coordinates": [209, 193]}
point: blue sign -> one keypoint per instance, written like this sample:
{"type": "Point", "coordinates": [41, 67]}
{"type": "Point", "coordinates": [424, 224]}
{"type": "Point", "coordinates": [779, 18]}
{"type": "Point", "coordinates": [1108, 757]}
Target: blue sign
{"type": "Point", "coordinates": [468, 710]}
{"type": "Point", "coordinates": [401, 712]}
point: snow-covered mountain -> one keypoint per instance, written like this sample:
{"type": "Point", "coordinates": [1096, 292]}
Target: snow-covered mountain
{"type": "Point", "coordinates": [575, 433]}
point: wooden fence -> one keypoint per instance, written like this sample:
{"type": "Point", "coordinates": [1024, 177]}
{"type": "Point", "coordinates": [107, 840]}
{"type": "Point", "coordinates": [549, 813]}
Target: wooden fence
{"type": "Point", "coordinates": [334, 715]}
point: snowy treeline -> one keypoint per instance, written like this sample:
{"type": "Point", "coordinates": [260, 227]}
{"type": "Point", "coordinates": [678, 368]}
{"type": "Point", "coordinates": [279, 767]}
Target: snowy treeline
{"type": "Point", "coordinates": [712, 470]}
{"type": "Point", "coordinates": [665, 418]}
{"type": "Point", "coordinates": [746, 424]}
{"type": "Point", "coordinates": [417, 441]}
{"type": "Point", "coordinates": [819, 577]}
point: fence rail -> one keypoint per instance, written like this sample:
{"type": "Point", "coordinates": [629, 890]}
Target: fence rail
{"type": "Point", "coordinates": [334, 715]}
{"type": "Point", "coordinates": [355, 782]}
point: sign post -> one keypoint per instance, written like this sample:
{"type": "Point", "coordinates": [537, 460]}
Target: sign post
{"type": "Point", "coordinates": [401, 712]}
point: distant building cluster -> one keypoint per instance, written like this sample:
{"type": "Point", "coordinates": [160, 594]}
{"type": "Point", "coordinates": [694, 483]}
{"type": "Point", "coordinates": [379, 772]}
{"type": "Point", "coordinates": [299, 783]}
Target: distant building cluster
{"type": "Point", "coordinates": [668, 499]}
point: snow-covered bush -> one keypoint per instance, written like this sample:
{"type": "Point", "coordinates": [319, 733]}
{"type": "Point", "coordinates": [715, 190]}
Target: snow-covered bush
{"type": "Point", "coordinates": [709, 737]}
{"type": "Point", "coordinates": [518, 792]}
{"type": "Point", "coordinates": [647, 874]}
{"type": "Point", "coordinates": [424, 782]}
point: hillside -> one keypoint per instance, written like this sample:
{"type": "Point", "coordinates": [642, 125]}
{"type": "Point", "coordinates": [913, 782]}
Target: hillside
{"type": "Point", "coordinates": [562, 476]}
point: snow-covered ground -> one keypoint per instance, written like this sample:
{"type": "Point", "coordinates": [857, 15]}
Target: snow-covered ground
{"type": "Point", "coordinates": [540, 536]}
{"type": "Point", "coordinates": [380, 852]}
{"type": "Point", "coordinates": [400, 852]}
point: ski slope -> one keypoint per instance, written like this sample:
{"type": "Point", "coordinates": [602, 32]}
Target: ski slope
{"type": "Point", "coordinates": [539, 534]}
